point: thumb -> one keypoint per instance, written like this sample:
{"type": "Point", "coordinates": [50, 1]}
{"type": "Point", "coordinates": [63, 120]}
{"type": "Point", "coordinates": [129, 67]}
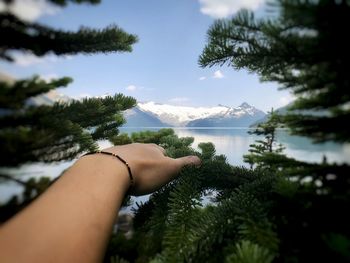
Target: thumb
{"type": "Point", "coordinates": [189, 160]}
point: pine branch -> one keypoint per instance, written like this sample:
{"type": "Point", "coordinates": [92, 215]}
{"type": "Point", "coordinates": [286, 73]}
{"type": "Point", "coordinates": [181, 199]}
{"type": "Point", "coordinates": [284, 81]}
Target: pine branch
{"type": "Point", "coordinates": [11, 178]}
{"type": "Point", "coordinates": [65, 2]}
{"type": "Point", "coordinates": [303, 48]}
{"type": "Point", "coordinates": [40, 40]}
{"type": "Point", "coordinates": [15, 95]}
{"type": "Point", "coordinates": [60, 132]}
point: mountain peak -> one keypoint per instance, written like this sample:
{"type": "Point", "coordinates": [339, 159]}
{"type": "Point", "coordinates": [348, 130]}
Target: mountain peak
{"type": "Point", "coordinates": [245, 105]}
{"type": "Point", "coordinates": [221, 115]}
{"type": "Point", "coordinates": [221, 105]}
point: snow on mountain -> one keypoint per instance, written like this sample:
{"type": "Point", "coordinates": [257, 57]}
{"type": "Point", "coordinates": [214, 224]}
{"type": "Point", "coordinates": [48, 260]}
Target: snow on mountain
{"type": "Point", "coordinates": [180, 115]}
{"type": "Point", "coordinates": [170, 115]}
{"type": "Point", "coordinates": [138, 118]}
{"type": "Point", "coordinates": [48, 98]}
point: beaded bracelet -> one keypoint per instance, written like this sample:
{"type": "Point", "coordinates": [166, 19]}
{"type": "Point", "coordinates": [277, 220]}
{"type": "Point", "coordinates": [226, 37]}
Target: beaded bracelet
{"type": "Point", "coordinates": [120, 159]}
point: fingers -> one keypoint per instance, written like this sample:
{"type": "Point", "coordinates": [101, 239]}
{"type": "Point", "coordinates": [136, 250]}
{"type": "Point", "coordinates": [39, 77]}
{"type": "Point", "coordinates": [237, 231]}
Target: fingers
{"type": "Point", "coordinates": [162, 149]}
{"type": "Point", "coordinates": [189, 160]}
{"type": "Point", "coordinates": [174, 166]}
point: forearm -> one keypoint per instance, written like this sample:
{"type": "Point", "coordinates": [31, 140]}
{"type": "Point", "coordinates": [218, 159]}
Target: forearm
{"type": "Point", "coordinates": [74, 216]}
{"type": "Point", "coordinates": [72, 220]}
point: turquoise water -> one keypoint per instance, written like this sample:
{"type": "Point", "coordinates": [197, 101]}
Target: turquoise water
{"type": "Point", "coordinates": [232, 142]}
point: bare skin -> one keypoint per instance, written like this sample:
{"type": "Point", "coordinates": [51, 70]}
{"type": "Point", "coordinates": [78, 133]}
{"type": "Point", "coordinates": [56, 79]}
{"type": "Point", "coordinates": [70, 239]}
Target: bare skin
{"type": "Point", "coordinates": [73, 219]}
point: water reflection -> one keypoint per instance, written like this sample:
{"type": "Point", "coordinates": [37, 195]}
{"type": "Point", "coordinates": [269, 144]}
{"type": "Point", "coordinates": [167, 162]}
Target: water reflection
{"type": "Point", "coordinates": [235, 142]}
{"type": "Point", "coordinates": [231, 142]}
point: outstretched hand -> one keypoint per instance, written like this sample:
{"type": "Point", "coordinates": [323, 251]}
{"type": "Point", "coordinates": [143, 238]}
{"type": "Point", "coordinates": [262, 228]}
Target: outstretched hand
{"type": "Point", "coordinates": [72, 220]}
{"type": "Point", "coordinates": [150, 167]}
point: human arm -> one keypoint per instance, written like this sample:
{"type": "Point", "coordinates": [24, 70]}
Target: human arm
{"type": "Point", "coordinates": [73, 219]}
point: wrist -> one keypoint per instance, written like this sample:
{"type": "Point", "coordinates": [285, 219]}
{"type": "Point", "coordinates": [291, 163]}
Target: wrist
{"type": "Point", "coordinates": [106, 169]}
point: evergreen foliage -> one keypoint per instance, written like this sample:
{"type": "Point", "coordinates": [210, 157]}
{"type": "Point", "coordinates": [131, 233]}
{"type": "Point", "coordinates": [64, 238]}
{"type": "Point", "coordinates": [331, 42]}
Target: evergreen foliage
{"type": "Point", "coordinates": [176, 226]}
{"type": "Point", "coordinates": [40, 39]}
{"type": "Point", "coordinates": [305, 49]}
{"type": "Point", "coordinates": [33, 187]}
{"type": "Point", "coordinates": [55, 131]}
{"type": "Point", "coordinates": [268, 146]}
{"type": "Point", "coordinates": [270, 213]}
{"type": "Point", "coordinates": [247, 252]}
{"type": "Point", "coordinates": [253, 215]}
{"type": "Point", "coordinates": [218, 212]}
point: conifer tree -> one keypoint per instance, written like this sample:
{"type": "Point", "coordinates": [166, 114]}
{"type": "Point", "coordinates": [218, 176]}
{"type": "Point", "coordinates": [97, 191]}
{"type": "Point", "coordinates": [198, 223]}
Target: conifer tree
{"type": "Point", "coordinates": [269, 146]}
{"type": "Point", "coordinates": [263, 214]}
{"type": "Point", "coordinates": [60, 131]}
{"type": "Point", "coordinates": [254, 215]}
{"type": "Point", "coordinates": [304, 49]}
{"type": "Point", "coordinates": [175, 225]}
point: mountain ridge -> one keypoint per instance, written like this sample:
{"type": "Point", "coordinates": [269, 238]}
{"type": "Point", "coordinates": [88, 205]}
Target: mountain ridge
{"type": "Point", "coordinates": [152, 114]}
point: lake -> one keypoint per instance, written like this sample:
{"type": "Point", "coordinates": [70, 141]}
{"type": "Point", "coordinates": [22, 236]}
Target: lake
{"type": "Point", "coordinates": [232, 142]}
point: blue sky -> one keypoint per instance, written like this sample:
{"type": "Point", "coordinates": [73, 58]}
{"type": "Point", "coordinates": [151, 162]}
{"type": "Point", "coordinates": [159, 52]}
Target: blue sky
{"type": "Point", "coordinates": [163, 66]}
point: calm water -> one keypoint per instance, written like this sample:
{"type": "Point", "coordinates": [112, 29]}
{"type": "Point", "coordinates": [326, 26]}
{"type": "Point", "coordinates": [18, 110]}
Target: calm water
{"type": "Point", "coordinates": [231, 142]}
{"type": "Point", "coordinates": [234, 142]}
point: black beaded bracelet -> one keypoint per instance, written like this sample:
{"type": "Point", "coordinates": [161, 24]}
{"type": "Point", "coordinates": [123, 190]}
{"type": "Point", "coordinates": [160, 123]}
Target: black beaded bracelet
{"type": "Point", "coordinates": [120, 159]}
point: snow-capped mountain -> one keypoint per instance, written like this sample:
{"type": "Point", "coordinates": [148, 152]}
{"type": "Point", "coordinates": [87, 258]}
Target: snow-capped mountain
{"type": "Point", "coordinates": [151, 114]}
{"type": "Point", "coordinates": [48, 98]}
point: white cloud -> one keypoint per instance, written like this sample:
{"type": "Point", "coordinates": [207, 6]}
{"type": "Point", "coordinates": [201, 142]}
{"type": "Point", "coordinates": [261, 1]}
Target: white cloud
{"type": "Point", "coordinates": [104, 95]}
{"type": "Point", "coordinates": [131, 88]}
{"type": "Point", "coordinates": [202, 78]}
{"type": "Point", "coordinates": [49, 77]}
{"type": "Point", "coordinates": [285, 100]}
{"type": "Point", "coordinates": [83, 95]}
{"type": "Point", "coordinates": [225, 8]}
{"type": "Point", "coordinates": [179, 100]}
{"type": "Point", "coordinates": [218, 75]}
{"type": "Point", "coordinates": [88, 96]}
{"type": "Point", "coordinates": [28, 59]}
{"type": "Point", "coordinates": [30, 10]}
